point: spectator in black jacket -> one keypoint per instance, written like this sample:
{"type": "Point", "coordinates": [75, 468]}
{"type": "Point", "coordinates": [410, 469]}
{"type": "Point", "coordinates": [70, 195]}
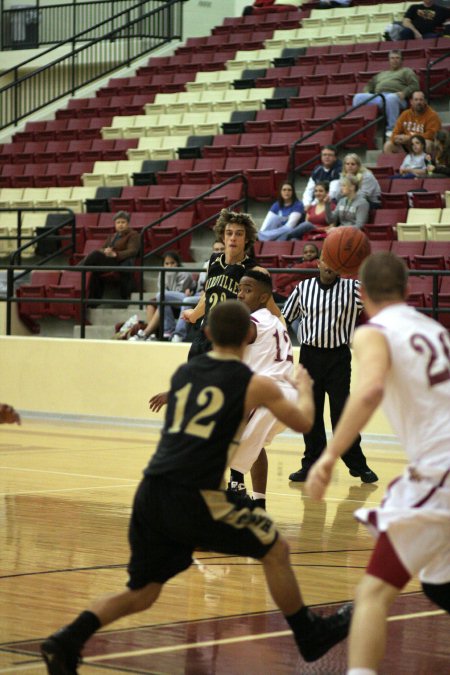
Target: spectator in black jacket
{"type": "Point", "coordinates": [328, 170]}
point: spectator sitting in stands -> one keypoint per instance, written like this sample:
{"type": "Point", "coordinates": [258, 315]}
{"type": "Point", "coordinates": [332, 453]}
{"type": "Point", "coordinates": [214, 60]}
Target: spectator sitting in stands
{"type": "Point", "coordinates": [326, 4]}
{"type": "Point", "coordinates": [177, 286]}
{"type": "Point", "coordinates": [315, 222]}
{"type": "Point", "coordinates": [420, 118]}
{"type": "Point", "coordinates": [368, 184]}
{"type": "Point", "coordinates": [415, 163]}
{"type": "Point", "coordinates": [286, 282]}
{"type": "Point", "coordinates": [421, 21]}
{"type": "Point", "coordinates": [439, 160]}
{"type": "Point", "coordinates": [120, 248]}
{"type": "Point", "coordinates": [328, 170]}
{"type": "Point", "coordinates": [352, 209]}
{"type": "Point", "coordinates": [266, 6]}
{"type": "Point", "coordinates": [283, 216]}
{"type": "Point", "coordinates": [397, 84]}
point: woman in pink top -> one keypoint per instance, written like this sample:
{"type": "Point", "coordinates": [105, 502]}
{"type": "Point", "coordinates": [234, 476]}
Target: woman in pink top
{"type": "Point", "coordinates": [315, 221]}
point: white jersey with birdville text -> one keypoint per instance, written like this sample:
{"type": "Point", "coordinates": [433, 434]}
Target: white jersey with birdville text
{"type": "Point", "coordinates": [417, 394]}
{"type": "Point", "coordinates": [271, 353]}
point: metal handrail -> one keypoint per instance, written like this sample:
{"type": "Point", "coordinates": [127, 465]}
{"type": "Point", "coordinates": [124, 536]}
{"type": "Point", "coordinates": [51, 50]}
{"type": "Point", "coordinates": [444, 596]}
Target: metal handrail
{"type": "Point", "coordinates": [83, 301]}
{"type": "Point", "coordinates": [430, 65]}
{"type": "Point", "coordinates": [51, 19]}
{"type": "Point", "coordinates": [141, 268]}
{"type": "Point", "coordinates": [77, 37]}
{"type": "Point", "coordinates": [294, 169]}
{"type": "Point", "coordinates": [10, 94]}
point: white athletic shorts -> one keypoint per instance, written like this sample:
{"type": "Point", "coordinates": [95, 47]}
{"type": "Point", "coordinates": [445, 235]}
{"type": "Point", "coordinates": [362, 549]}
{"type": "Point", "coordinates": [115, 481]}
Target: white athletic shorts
{"type": "Point", "coordinates": [259, 431]}
{"type": "Point", "coordinates": [415, 514]}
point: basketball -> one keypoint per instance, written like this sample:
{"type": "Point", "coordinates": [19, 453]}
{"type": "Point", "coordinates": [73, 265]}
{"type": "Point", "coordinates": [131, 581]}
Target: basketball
{"type": "Point", "coordinates": [344, 249]}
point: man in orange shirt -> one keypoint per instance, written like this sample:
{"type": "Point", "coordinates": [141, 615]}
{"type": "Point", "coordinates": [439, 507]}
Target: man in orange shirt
{"type": "Point", "coordinates": [418, 119]}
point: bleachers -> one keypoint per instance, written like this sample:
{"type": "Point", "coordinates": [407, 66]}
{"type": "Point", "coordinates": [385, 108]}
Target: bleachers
{"type": "Point", "coordinates": [136, 128]}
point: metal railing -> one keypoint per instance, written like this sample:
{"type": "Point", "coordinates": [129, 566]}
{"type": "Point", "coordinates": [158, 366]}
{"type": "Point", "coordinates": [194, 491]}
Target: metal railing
{"type": "Point", "coordinates": [83, 301]}
{"type": "Point", "coordinates": [309, 136]}
{"type": "Point", "coordinates": [429, 89]}
{"type": "Point", "coordinates": [53, 234]}
{"type": "Point", "coordinates": [124, 37]}
{"type": "Point", "coordinates": [43, 24]}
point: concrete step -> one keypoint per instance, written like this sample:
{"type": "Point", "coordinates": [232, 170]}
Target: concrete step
{"type": "Point", "coordinates": [95, 332]}
{"type": "Point", "coordinates": [103, 316]}
{"type": "Point", "coordinates": [372, 156]}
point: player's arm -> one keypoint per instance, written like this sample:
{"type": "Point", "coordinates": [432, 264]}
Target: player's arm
{"type": "Point", "coordinates": [372, 353]}
{"type": "Point", "coordinates": [8, 415]}
{"type": "Point", "coordinates": [262, 391]}
{"type": "Point", "coordinates": [196, 313]}
{"type": "Point", "coordinates": [252, 333]}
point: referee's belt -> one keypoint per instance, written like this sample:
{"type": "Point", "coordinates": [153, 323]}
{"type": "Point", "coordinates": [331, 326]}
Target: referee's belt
{"type": "Point", "coordinates": [324, 349]}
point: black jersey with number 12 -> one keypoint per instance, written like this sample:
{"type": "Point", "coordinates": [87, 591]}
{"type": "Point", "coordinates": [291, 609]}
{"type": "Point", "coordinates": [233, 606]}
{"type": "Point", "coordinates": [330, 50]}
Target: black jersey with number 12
{"type": "Point", "coordinates": [204, 421]}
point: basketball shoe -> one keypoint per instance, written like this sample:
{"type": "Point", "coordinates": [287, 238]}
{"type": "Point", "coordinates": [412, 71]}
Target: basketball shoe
{"type": "Point", "coordinates": [61, 658]}
{"type": "Point", "coordinates": [323, 632]}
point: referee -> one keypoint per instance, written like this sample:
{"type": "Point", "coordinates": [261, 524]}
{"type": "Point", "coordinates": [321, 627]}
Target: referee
{"type": "Point", "coordinates": [328, 308]}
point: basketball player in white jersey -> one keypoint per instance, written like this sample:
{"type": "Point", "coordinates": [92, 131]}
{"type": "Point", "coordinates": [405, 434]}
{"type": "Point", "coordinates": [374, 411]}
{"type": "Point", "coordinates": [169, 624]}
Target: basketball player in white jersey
{"type": "Point", "coordinates": [269, 353]}
{"type": "Point", "coordinates": [404, 361]}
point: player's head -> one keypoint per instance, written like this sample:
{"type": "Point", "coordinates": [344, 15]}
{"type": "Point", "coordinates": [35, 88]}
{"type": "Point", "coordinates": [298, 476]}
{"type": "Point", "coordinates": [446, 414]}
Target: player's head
{"type": "Point", "coordinates": [384, 277]}
{"type": "Point", "coordinates": [228, 324]}
{"type": "Point", "coordinates": [233, 223]}
{"type": "Point", "coordinates": [255, 289]}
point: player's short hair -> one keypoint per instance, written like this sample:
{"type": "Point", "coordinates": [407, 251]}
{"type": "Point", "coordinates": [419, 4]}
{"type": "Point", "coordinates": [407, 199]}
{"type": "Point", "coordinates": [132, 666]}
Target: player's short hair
{"type": "Point", "coordinates": [384, 276]}
{"type": "Point", "coordinates": [227, 217]}
{"type": "Point", "coordinates": [262, 278]}
{"type": "Point", "coordinates": [228, 323]}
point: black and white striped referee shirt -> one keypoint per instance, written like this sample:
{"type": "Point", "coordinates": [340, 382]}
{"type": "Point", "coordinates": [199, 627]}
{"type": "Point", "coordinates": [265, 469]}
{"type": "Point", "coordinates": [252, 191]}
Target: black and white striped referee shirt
{"type": "Point", "coordinates": [327, 313]}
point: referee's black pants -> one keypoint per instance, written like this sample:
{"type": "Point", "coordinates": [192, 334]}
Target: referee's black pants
{"type": "Point", "coordinates": [331, 371]}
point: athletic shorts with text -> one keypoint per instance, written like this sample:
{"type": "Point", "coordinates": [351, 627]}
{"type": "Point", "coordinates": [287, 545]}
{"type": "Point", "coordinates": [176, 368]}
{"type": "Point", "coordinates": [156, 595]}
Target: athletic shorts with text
{"type": "Point", "coordinates": [170, 521]}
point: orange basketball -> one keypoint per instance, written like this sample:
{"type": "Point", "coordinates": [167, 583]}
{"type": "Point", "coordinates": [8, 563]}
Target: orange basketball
{"type": "Point", "coordinates": [344, 249]}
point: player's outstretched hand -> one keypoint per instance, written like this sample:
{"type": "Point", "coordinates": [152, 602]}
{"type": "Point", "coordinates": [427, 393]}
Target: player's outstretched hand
{"type": "Point", "coordinates": [158, 401]}
{"type": "Point", "coordinates": [8, 415]}
{"type": "Point", "coordinates": [319, 476]}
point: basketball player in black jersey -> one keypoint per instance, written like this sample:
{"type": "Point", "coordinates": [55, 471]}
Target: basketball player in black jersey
{"type": "Point", "coordinates": [238, 233]}
{"type": "Point", "coordinates": [179, 504]}
{"type": "Point", "coordinates": [225, 270]}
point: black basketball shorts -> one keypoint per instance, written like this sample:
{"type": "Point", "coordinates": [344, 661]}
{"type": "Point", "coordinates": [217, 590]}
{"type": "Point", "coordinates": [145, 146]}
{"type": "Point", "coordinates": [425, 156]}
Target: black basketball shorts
{"type": "Point", "coordinates": [170, 521]}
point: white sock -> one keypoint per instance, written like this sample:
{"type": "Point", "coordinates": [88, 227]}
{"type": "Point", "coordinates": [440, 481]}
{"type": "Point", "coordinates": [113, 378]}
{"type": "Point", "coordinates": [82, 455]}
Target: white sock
{"type": "Point", "coordinates": [259, 495]}
{"type": "Point", "coordinates": [361, 671]}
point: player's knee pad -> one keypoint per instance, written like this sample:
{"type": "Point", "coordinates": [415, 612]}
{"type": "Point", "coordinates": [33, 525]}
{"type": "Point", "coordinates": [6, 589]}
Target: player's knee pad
{"type": "Point", "coordinates": [439, 594]}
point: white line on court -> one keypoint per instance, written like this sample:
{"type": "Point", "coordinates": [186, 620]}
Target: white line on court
{"type": "Point", "coordinates": [78, 489]}
{"type": "Point", "coordinates": [234, 640]}
{"type": "Point", "coordinates": [62, 473]}
{"type": "Point", "coordinates": [210, 643]}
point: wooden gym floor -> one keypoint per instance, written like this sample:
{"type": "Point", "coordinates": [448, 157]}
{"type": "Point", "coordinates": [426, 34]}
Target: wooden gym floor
{"type": "Point", "coordinates": [65, 499]}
